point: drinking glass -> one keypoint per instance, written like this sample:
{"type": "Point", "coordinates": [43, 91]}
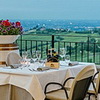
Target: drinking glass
{"type": "Point", "coordinates": [38, 55]}
{"type": "Point", "coordinates": [62, 53]}
{"type": "Point", "coordinates": [29, 57]}
{"type": "Point", "coordinates": [25, 54]}
{"type": "Point", "coordinates": [26, 58]}
{"type": "Point", "coordinates": [34, 58]}
{"type": "Point", "coordinates": [67, 59]}
{"type": "Point", "coordinates": [22, 61]}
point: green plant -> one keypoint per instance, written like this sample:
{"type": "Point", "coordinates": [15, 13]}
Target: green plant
{"type": "Point", "coordinates": [10, 28]}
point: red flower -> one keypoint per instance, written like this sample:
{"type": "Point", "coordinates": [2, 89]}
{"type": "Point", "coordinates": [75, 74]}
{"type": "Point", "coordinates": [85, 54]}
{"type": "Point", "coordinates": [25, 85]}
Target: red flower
{"type": "Point", "coordinates": [6, 23]}
{"type": "Point", "coordinates": [10, 28]}
{"type": "Point", "coordinates": [18, 24]}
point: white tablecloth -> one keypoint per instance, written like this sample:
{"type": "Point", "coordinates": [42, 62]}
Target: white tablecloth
{"type": "Point", "coordinates": [35, 81]}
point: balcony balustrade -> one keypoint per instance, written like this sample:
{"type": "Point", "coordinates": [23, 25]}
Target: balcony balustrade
{"type": "Point", "coordinates": [80, 48]}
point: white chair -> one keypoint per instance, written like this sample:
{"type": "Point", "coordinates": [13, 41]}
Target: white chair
{"type": "Point", "coordinates": [78, 90]}
{"type": "Point", "coordinates": [12, 58]}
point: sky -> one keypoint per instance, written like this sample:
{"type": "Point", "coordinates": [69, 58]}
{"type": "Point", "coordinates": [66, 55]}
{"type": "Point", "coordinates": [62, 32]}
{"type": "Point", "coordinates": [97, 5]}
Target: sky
{"type": "Point", "coordinates": [50, 9]}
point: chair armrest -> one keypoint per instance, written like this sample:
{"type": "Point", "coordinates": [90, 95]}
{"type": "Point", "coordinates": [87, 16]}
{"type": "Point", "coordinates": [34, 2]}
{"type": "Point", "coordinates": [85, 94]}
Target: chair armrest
{"type": "Point", "coordinates": [93, 80]}
{"type": "Point", "coordinates": [67, 80]}
{"type": "Point", "coordinates": [55, 83]}
{"type": "Point", "coordinates": [95, 75]}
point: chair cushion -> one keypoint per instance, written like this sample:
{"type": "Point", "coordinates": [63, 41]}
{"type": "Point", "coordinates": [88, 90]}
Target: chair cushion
{"type": "Point", "coordinates": [57, 95]}
{"type": "Point", "coordinates": [91, 89]}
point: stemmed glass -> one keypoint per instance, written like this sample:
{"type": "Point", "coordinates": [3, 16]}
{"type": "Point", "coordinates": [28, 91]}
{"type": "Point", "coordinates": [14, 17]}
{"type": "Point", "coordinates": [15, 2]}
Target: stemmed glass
{"type": "Point", "coordinates": [24, 59]}
{"type": "Point", "coordinates": [38, 55]}
{"type": "Point", "coordinates": [24, 54]}
{"type": "Point", "coordinates": [34, 58]}
{"type": "Point", "coordinates": [23, 63]}
{"type": "Point", "coordinates": [62, 53]}
{"type": "Point", "coordinates": [67, 59]}
{"type": "Point", "coordinates": [29, 57]}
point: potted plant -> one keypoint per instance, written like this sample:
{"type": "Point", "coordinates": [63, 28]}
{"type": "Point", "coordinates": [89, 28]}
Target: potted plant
{"type": "Point", "coordinates": [9, 31]}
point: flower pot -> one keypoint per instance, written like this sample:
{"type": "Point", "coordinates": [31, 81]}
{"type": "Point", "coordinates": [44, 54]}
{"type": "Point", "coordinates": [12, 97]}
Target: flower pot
{"type": "Point", "coordinates": [6, 39]}
{"type": "Point", "coordinates": [7, 45]}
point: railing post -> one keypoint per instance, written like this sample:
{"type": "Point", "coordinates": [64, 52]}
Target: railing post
{"type": "Point", "coordinates": [46, 48]}
{"type": "Point", "coordinates": [88, 49]}
{"type": "Point", "coordinates": [36, 45]}
{"type": "Point", "coordinates": [94, 51]}
{"type": "Point", "coordinates": [52, 41]}
{"type": "Point", "coordinates": [31, 48]}
{"type": "Point", "coordinates": [25, 45]}
{"type": "Point", "coordinates": [21, 45]}
{"type": "Point", "coordinates": [76, 51]}
{"type": "Point", "coordinates": [82, 51]}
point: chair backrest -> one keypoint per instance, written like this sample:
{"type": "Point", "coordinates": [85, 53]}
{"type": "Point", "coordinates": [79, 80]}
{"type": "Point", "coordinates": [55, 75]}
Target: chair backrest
{"type": "Point", "coordinates": [81, 84]}
{"type": "Point", "coordinates": [13, 58]}
{"type": "Point", "coordinates": [98, 84]}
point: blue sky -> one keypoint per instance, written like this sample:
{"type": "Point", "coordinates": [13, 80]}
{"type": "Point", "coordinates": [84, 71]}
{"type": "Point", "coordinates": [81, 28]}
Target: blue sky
{"type": "Point", "coordinates": [50, 9]}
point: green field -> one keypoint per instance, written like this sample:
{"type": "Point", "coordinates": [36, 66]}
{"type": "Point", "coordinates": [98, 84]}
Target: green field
{"type": "Point", "coordinates": [61, 36]}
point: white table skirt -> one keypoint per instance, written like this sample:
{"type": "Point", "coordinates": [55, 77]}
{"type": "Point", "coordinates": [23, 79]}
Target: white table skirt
{"type": "Point", "coordinates": [34, 82]}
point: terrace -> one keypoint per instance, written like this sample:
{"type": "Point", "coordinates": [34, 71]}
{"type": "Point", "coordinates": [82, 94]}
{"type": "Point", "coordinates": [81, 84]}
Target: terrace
{"type": "Point", "coordinates": [80, 48]}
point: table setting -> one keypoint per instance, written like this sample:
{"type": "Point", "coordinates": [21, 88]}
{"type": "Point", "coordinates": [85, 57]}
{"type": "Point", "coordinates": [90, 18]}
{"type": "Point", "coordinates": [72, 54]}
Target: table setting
{"type": "Point", "coordinates": [34, 63]}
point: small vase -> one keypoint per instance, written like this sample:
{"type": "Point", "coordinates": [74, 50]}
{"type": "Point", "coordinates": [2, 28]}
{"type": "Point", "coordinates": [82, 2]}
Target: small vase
{"type": "Point", "coordinates": [7, 45]}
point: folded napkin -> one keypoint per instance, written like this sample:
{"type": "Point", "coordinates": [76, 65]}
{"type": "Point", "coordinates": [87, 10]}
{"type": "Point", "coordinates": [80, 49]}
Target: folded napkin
{"type": "Point", "coordinates": [63, 63]}
{"type": "Point", "coordinates": [73, 63]}
{"type": "Point", "coordinates": [15, 65]}
{"type": "Point", "coordinates": [43, 68]}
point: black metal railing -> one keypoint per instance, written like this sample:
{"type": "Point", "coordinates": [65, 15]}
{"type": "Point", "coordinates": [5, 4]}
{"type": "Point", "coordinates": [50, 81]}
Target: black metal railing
{"type": "Point", "coordinates": [86, 50]}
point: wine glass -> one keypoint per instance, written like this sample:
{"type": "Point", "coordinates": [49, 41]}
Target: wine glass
{"type": "Point", "coordinates": [67, 59]}
{"type": "Point", "coordinates": [26, 58]}
{"type": "Point", "coordinates": [22, 61]}
{"type": "Point", "coordinates": [25, 54]}
{"type": "Point", "coordinates": [62, 53]}
{"type": "Point", "coordinates": [34, 58]}
{"type": "Point", "coordinates": [29, 57]}
{"type": "Point", "coordinates": [38, 55]}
